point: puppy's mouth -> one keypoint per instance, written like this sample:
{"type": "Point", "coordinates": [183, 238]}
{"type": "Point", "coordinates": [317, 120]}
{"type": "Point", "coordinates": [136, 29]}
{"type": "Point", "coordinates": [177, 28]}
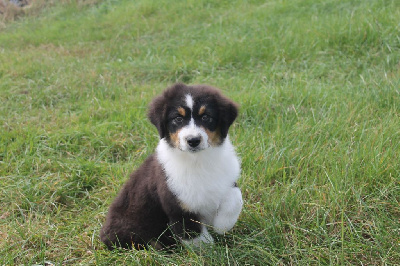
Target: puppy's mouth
{"type": "Point", "coordinates": [190, 149]}
{"type": "Point", "coordinates": [195, 150]}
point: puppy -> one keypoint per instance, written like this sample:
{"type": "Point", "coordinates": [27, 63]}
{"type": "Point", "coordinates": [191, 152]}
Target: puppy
{"type": "Point", "coordinates": [189, 184]}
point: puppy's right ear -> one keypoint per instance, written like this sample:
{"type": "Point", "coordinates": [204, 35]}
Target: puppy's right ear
{"type": "Point", "coordinates": [158, 107]}
{"type": "Point", "coordinates": [156, 114]}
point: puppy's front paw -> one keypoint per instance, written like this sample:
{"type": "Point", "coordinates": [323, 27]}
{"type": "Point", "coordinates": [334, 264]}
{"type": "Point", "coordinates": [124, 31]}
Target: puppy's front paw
{"type": "Point", "coordinates": [203, 238]}
{"type": "Point", "coordinates": [228, 211]}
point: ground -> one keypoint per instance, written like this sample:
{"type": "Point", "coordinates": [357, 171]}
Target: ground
{"type": "Point", "coordinates": [318, 130]}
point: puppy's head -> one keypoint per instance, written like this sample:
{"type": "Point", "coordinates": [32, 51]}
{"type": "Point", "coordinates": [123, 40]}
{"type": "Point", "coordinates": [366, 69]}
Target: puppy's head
{"type": "Point", "coordinates": [192, 118]}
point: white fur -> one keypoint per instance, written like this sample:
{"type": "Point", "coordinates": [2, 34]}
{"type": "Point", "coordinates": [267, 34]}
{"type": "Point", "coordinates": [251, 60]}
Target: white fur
{"type": "Point", "coordinates": [189, 101]}
{"type": "Point", "coordinates": [203, 182]}
{"type": "Point", "coordinates": [192, 130]}
{"type": "Point", "coordinates": [204, 237]}
{"type": "Point", "coordinates": [228, 212]}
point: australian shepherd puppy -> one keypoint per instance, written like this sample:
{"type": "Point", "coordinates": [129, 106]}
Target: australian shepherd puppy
{"type": "Point", "coordinates": [189, 184]}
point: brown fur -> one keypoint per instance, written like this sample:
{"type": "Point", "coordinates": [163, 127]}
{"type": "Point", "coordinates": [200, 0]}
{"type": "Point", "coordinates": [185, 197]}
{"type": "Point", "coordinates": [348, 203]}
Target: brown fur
{"type": "Point", "coordinates": [146, 212]}
{"type": "Point", "coordinates": [202, 110]}
{"type": "Point", "coordinates": [181, 111]}
{"type": "Point", "coordinates": [214, 137]}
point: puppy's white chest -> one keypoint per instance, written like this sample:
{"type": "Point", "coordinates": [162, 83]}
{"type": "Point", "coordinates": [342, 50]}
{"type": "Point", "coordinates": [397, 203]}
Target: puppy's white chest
{"type": "Point", "coordinates": [197, 197]}
{"type": "Point", "coordinates": [200, 180]}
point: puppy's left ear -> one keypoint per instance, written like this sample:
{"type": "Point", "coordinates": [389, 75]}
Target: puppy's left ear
{"type": "Point", "coordinates": [156, 114]}
{"type": "Point", "coordinates": [228, 112]}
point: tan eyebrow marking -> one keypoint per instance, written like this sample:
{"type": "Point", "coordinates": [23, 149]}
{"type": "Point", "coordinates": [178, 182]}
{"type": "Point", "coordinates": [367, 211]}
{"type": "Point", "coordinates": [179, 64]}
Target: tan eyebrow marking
{"type": "Point", "coordinates": [202, 110]}
{"type": "Point", "coordinates": [181, 111]}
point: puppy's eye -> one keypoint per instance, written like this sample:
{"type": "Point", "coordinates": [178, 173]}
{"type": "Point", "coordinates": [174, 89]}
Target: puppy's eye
{"type": "Point", "coordinates": [178, 119]}
{"type": "Point", "coordinates": [206, 118]}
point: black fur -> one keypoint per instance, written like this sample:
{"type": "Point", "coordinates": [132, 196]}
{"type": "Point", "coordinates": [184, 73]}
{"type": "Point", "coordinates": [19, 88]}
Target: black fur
{"type": "Point", "coordinates": [146, 211]}
{"type": "Point", "coordinates": [226, 110]}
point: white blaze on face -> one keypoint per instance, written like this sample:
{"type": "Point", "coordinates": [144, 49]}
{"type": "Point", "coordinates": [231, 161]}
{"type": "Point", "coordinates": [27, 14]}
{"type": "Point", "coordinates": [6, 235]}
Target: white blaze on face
{"type": "Point", "coordinates": [192, 131]}
{"type": "Point", "coordinates": [189, 101]}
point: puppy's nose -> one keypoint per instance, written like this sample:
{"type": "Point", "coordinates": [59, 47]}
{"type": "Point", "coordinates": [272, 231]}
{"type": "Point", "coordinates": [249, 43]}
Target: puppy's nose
{"type": "Point", "coordinates": [193, 141]}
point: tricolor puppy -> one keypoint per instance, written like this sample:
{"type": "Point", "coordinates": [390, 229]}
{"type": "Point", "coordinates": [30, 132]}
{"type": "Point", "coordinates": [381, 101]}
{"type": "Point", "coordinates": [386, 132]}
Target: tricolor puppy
{"type": "Point", "coordinates": [189, 184]}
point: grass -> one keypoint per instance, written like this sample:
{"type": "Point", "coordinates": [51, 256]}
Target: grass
{"type": "Point", "coordinates": [318, 133]}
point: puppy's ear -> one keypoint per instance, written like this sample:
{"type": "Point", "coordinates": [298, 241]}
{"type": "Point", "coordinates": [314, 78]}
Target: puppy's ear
{"type": "Point", "coordinates": [228, 112]}
{"type": "Point", "coordinates": [156, 114]}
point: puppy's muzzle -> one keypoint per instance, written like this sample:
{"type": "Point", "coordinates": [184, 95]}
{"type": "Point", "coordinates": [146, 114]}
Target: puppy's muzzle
{"type": "Point", "coordinates": [193, 142]}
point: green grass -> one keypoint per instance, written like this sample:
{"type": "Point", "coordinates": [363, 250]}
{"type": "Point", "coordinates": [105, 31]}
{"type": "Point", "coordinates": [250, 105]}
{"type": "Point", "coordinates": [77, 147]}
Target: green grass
{"type": "Point", "coordinates": [318, 132]}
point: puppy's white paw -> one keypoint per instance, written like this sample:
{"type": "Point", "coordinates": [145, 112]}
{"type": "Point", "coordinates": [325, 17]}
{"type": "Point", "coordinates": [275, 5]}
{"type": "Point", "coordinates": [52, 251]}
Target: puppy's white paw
{"type": "Point", "coordinates": [228, 211]}
{"type": "Point", "coordinates": [203, 238]}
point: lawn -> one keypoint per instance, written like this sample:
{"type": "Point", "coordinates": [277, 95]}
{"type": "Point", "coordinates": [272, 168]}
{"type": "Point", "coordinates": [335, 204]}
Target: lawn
{"type": "Point", "coordinates": [318, 83]}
